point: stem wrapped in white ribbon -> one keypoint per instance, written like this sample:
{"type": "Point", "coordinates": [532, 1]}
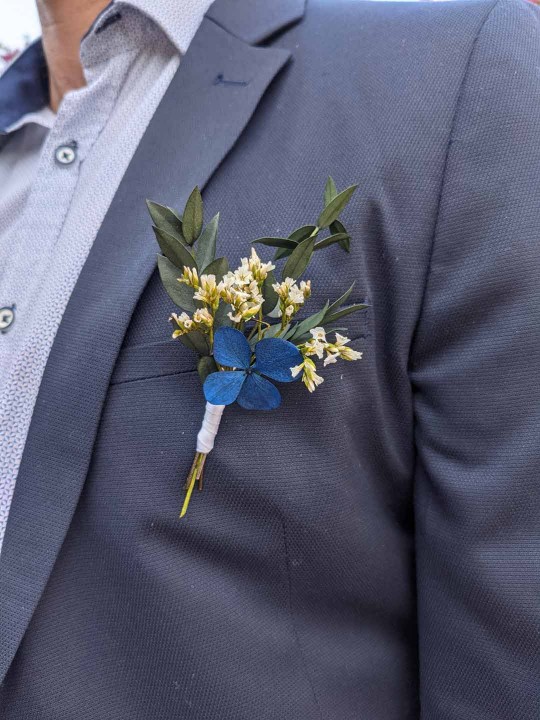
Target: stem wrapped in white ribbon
{"type": "Point", "coordinates": [210, 425]}
{"type": "Point", "coordinates": [205, 444]}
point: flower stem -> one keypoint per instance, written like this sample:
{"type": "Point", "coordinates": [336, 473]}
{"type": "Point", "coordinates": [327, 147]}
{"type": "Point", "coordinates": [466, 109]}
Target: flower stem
{"type": "Point", "coordinates": [196, 473]}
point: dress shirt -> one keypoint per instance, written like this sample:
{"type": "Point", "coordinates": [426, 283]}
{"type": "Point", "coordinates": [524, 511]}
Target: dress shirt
{"type": "Point", "coordinates": [58, 176]}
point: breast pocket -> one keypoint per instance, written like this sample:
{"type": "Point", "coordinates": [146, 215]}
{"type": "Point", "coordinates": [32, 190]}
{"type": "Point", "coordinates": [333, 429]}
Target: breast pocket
{"type": "Point", "coordinates": [153, 360]}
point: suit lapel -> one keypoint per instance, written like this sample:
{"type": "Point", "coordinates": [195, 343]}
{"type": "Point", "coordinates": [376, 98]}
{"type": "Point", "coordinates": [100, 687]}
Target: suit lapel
{"type": "Point", "coordinates": [195, 126]}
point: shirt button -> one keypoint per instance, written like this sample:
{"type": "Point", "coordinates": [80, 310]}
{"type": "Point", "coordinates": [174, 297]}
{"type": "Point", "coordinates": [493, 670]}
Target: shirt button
{"type": "Point", "coordinates": [66, 154]}
{"type": "Point", "coordinates": [7, 318]}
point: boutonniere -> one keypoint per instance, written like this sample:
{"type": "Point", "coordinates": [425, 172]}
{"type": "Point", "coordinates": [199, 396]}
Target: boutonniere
{"type": "Point", "coordinates": [245, 324]}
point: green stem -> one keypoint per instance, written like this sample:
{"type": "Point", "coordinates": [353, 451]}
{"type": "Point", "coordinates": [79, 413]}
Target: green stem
{"type": "Point", "coordinates": [194, 474]}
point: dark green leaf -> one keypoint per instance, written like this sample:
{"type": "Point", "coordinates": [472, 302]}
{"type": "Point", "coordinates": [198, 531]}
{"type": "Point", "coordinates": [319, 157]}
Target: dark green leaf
{"type": "Point", "coordinates": [341, 313]}
{"type": "Point", "coordinates": [339, 302]}
{"type": "Point", "coordinates": [166, 219]}
{"type": "Point", "coordinates": [192, 219]}
{"type": "Point", "coordinates": [180, 294]}
{"type": "Point", "coordinates": [330, 240]}
{"type": "Point", "coordinates": [330, 191]}
{"type": "Point", "coordinates": [338, 227]}
{"type": "Point", "coordinates": [302, 233]}
{"type": "Point", "coordinates": [206, 244]}
{"type": "Point", "coordinates": [269, 294]}
{"type": "Point", "coordinates": [219, 267]}
{"type": "Point", "coordinates": [221, 317]}
{"type": "Point", "coordinates": [299, 259]}
{"type": "Point", "coordinates": [206, 366]}
{"type": "Point", "coordinates": [332, 210]}
{"type": "Point", "coordinates": [308, 324]}
{"type": "Point", "coordinates": [282, 252]}
{"type": "Point", "coordinates": [196, 341]}
{"type": "Point", "coordinates": [276, 242]}
{"type": "Point", "coordinates": [178, 253]}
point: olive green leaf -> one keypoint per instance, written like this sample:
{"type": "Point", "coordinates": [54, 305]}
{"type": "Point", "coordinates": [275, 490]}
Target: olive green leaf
{"type": "Point", "coordinates": [218, 267]}
{"type": "Point", "coordinates": [269, 294]}
{"type": "Point", "coordinates": [299, 259]}
{"type": "Point", "coordinates": [282, 252]}
{"type": "Point", "coordinates": [206, 244]}
{"type": "Point", "coordinates": [330, 240]}
{"type": "Point", "coordinates": [339, 302]}
{"type": "Point", "coordinates": [338, 227]}
{"type": "Point", "coordinates": [175, 250]}
{"type": "Point", "coordinates": [276, 242]}
{"type": "Point", "coordinates": [196, 341]}
{"type": "Point", "coordinates": [333, 317]}
{"type": "Point", "coordinates": [206, 366]}
{"type": "Point", "coordinates": [166, 219]}
{"type": "Point", "coordinates": [335, 206]}
{"type": "Point", "coordinates": [274, 330]}
{"type": "Point", "coordinates": [180, 294]}
{"type": "Point", "coordinates": [300, 331]}
{"type": "Point", "coordinates": [192, 219]}
{"type": "Point", "coordinates": [330, 191]}
{"type": "Point", "coordinates": [221, 317]}
{"type": "Point", "coordinates": [302, 233]}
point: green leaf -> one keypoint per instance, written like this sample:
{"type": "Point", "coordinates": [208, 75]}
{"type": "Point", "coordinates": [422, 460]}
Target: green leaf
{"type": "Point", "coordinates": [206, 366]}
{"type": "Point", "coordinates": [339, 302]}
{"type": "Point", "coordinates": [302, 233]}
{"type": "Point", "coordinates": [178, 253]}
{"type": "Point", "coordinates": [282, 252]}
{"type": "Point", "coordinates": [274, 330]}
{"type": "Point", "coordinates": [269, 294]}
{"type": "Point", "coordinates": [341, 313]}
{"type": "Point", "coordinates": [330, 191]}
{"type": "Point", "coordinates": [308, 324]}
{"type": "Point", "coordinates": [332, 210]}
{"type": "Point", "coordinates": [206, 244]}
{"type": "Point", "coordinates": [218, 267]}
{"type": "Point", "coordinates": [166, 219]}
{"type": "Point", "coordinates": [221, 318]}
{"type": "Point", "coordinates": [180, 294]}
{"type": "Point", "coordinates": [338, 227]}
{"type": "Point", "coordinates": [276, 242]}
{"type": "Point", "coordinates": [330, 240]}
{"type": "Point", "coordinates": [192, 219]}
{"type": "Point", "coordinates": [196, 341]}
{"type": "Point", "coordinates": [299, 259]}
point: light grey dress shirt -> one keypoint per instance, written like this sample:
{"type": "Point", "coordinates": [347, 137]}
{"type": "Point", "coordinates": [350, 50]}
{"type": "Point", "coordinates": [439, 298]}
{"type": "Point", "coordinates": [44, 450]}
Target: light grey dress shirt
{"type": "Point", "coordinates": [58, 176]}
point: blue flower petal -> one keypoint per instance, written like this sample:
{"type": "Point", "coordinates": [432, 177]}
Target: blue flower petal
{"type": "Point", "coordinates": [222, 388]}
{"type": "Point", "coordinates": [258, 394]}
{"type": "Point", "coordinates": [231, 348]}
{"type": "Point", "coordinates": [275, 358]}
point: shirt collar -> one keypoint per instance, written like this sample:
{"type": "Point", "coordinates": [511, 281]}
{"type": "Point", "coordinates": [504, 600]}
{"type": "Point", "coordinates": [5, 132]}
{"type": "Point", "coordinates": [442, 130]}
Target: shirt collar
{"type": "Point", "coordinates": [24, 85]}
{"type": "Point", "coordinates": [179, 20]}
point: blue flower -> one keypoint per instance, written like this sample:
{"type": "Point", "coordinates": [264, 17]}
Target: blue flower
{"type": "Point", "coordinates": [274, 358]}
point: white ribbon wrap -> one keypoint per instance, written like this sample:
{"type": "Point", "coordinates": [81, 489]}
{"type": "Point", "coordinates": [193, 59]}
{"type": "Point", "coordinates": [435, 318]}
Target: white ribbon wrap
{"type": "Point", "coordinates": [210, 424]}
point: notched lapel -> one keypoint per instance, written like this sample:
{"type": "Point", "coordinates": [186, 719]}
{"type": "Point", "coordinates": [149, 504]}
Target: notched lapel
{"type": "Point", "coordinates": [197, 123]}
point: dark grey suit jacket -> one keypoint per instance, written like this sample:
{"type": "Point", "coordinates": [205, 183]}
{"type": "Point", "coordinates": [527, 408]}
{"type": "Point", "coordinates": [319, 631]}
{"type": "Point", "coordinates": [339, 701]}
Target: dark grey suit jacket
{"type": "Point", "coordinates": [371, 552]}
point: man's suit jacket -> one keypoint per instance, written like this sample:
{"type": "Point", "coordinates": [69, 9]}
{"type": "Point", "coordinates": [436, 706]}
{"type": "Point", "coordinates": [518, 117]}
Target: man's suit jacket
{"type": "Point", "coordinates": [371, 551]}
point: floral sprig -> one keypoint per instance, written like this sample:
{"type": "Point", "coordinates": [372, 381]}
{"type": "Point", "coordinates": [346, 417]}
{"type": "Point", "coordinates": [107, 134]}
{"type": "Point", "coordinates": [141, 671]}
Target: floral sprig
{"type": "Point", "coordinates": [243, 322]}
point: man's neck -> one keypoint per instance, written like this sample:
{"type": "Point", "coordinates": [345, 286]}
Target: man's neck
{"type": "Point", "coordinates": [63, 24]}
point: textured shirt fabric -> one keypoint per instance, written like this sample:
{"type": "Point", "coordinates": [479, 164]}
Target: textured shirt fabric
{"type": "Point", "coordinates": [50, 213]}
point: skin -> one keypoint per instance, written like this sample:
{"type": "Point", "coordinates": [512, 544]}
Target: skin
{"type": "Point", "coordinates": [63, 24]}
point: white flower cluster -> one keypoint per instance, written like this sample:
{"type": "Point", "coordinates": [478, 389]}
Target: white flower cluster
{"type": "Point", "coordinates": [292, 296]}
{"type": "Point", "coordinates": [318, 346]}
{"type": "Point", "coordinates": [202, 320]}
{"type": "Point", "coordinates": [241, 289]}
